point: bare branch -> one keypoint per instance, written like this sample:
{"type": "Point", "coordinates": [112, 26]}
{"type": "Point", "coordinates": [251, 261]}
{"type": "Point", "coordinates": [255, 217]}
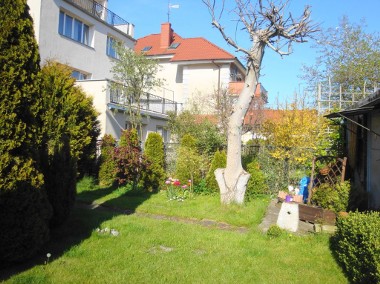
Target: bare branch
{"type": "Point", "coordinates": [268, 24]}
{"type": "Point", "coordinates": [215, 23]}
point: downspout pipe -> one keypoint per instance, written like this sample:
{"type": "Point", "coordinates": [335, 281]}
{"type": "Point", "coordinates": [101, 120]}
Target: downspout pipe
{"type": "Point", "coordinates": [218, 66]}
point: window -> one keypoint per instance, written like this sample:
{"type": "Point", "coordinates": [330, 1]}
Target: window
{"type": "Point", "coordinates": [79, 75]}
{"type": "Point", "coordinates": [163, 132]}
{"type": "Point", "coordinates": [146, 48]}
{"type": "Point", "coordinates": [73, 28]}
{"type": "Point", "coordinates": [174, 45]}
{"type": "Point", "coordinates": [111, 51]}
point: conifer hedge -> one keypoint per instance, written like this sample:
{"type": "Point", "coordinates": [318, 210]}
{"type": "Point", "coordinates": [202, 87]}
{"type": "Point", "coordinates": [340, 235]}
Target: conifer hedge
{"type": "Point", "coordinates": [107, 168]}
{"type": "Point", "coordinates": [24, 208]}
{"type": "Point", "coordinates": [69, 132]}
{"type": "Point", "coordinates": [154, 152]}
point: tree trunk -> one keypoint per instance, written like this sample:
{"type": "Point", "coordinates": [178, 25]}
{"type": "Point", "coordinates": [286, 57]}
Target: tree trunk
{"type": "Point", "coordinates": [233, 179]}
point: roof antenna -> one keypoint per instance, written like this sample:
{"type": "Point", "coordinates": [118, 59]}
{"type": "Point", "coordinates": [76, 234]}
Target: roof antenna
{"type": "Point", "coordinates": [171, 6]}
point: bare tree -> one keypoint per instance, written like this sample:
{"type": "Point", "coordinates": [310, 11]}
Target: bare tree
{"type": "Point", "coordinates": [267, 25]}
{"type": "Point", "coordinates": [222, 105]}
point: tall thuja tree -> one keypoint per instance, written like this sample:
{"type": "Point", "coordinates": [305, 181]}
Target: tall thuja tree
{"type": "Point", "coordinates": [24, 209]}
{"type": "Point", "coordinates": [268, 26]}
{"type": "Point", "coordinates": [155, 155]}
{"type": "Point", "coordinates": [134, 75]}
{"type": "Point", "coordinates": [107, 168]}
{"type": "Point", "coordinates": [70, 130]}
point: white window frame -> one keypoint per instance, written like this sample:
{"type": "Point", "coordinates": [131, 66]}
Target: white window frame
{"type": "Point", "coordinates": [73, 28]}
{"type": "Point", "coordinates": [110, 49]}
{"type": "Point", "coordinates": [79, 75]}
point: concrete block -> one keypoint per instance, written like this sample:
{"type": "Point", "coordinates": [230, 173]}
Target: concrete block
{"type": "Point", "coordinates": [288, 217]}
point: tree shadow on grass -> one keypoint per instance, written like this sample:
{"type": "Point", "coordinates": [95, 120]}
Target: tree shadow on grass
{"type": "Point", "coordinates": [84, 219]}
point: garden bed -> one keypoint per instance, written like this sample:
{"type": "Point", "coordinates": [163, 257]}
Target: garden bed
{"type": "Point", "coordinates": [309, 213]}
{"type": "Point", "coordinates": [315, 214]}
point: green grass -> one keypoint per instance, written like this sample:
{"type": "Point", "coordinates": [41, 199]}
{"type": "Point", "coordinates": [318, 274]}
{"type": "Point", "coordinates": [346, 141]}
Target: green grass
{"type": "Point", "coordinates": [199, 207]}
{"type": "Point", "coordinates": [161, 251]}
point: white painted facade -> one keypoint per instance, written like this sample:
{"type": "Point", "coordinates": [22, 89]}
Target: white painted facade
{"type": "Point", "coordinates": [188, 80]}
{"type": "Point", "coordinates": [194, 82]}
{"type": "Point", "coordinates": [194, 68]}
{"type": "Point", "coordinates": [88, 56]}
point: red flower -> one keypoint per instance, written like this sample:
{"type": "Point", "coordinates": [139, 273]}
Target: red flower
{"type": "Point", "coordinates": [176, 183]}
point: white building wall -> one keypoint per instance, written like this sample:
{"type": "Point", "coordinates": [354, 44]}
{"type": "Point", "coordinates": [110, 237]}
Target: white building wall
{"type": "Point", "coordinates": [193, 83]}
{"type": "Point", "coordinates": [89, 59]}
{"type": "Point", "coordinates": [97, 89]}
{"type": "Point", "coordinates": [35, 12]}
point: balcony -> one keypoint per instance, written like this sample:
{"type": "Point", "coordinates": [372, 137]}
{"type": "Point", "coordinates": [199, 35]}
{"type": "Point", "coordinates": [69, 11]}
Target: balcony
{"type": "Point", "coordinates": [148, 103]}
{"type": "Point", "coordinates": [101, 12]}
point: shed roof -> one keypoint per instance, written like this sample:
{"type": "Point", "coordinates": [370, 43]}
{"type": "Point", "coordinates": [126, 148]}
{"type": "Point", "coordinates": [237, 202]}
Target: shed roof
{"type": "Point", "coordinates": [361, 107]}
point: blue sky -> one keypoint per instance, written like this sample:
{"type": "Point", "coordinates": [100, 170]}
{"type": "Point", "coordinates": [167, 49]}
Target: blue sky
{"type": "Point", "coordinates": [279, 75]}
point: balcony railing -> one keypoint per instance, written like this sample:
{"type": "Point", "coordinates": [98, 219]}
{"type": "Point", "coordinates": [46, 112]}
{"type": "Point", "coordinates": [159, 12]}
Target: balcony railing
{"type": "Point", "coordinates": [148, 102]}
{"type": "Point", "coordinates": [101, 12]}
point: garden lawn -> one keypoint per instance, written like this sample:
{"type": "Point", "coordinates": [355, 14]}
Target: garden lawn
{"type": "Point", "coordinates": [149, 250]}
{"type": "Point", "coordinates": [160, 251]}
{"type": "Point", "coordinates": [198, 207]}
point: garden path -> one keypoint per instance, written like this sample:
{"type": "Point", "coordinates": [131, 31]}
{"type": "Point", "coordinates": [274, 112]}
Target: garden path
{"type": "Point", "coordinates": [204, 222]}
{"type": "Point", "coordinates": [269, 219]}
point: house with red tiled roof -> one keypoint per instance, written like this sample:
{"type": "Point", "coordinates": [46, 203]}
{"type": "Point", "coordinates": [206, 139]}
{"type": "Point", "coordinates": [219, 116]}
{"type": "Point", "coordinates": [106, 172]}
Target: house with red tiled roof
{"type": "Point", "coordinates": [193, 68]}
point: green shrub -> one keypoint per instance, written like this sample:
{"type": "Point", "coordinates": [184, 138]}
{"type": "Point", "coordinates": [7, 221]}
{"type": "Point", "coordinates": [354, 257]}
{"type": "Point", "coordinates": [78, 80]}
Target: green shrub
{"type": "Point", "coordinates": [188, 141]}
{"type": "Point", "coordinates": [87, 183]}
{"type": "Point", "coordinates": [246, 159]}
{"type": "Point", "coordinates": [60, 182]}
{"type": "Point", "coordinates": [219, 161]}
{"type": "Point", "coordinates": [154, 152]}
{"type": "Point", "coordinates": [209, 138]}
{"type": "Point", "coordinates": [107, 168]}
{"type": "Point", "coordinates": [202, 188]}
{"type": "Point", "coordinates": [127, 157]}
{"type": "Point", "coordinates": [69, 133]}
{"type": "Point", "coordinates": [257, 182]}
{"type": "Point", "coordinates": [356, 245]}
{"type": "Point", "coordinates": [332, 197]}
{"type": "Point", "coordinates": [130, 162]}
{"type": "Point", "coordinates": [275, 231]}
{"type": "Point", "coordinates": [274, 170]}
{"type": "Point", "coordinates": [24, 208]}
{"type": "Point", "coordinates": [25, 213]}
{"type": "Point", "coordinates": [189, 164]}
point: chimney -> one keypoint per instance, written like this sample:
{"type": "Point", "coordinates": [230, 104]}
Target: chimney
{"type": "Point", "coordinates": [166, 35]}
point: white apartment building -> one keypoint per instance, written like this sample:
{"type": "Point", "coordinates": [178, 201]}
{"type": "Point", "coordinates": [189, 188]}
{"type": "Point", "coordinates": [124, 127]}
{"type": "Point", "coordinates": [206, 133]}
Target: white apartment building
{"type": "Point", "coordinates": [80, 34]}
{"type": "Point", "coordinates": [194, 68]}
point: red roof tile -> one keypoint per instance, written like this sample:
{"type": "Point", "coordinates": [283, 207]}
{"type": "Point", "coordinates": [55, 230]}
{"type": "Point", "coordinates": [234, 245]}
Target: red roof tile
{"type": "Point", "coordinates": [189, 49]}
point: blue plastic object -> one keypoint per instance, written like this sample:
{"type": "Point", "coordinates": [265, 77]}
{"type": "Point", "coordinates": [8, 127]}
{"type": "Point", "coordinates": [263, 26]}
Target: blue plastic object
{"type": "Point", "coordinates": [303, 188]}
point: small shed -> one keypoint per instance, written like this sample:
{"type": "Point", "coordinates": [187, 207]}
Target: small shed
{"type": "Point", "coordinates": [362, 145]}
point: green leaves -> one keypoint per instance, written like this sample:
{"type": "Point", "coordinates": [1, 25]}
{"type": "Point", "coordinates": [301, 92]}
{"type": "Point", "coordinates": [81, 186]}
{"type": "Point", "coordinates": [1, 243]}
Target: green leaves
{"type": "Point", "coordinates": [134, 74]}
{"type": "Point", "coordinates": [24, 209]}
{"type": "Point", "coordinates": [357, 246]}
{"type": "Point", "coordinates": [349, 57]}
